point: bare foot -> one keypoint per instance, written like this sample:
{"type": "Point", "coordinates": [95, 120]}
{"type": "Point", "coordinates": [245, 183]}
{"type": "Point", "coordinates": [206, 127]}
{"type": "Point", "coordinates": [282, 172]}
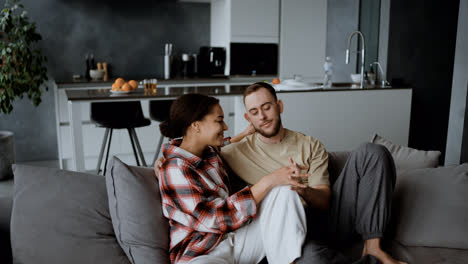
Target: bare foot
{"type": "Point", "coordinates": [372, 247]}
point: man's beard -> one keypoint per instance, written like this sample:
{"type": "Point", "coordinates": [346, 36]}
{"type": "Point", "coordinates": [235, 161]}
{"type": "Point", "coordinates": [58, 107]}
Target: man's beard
{"type": "Point", "coordinates": [275, 131]}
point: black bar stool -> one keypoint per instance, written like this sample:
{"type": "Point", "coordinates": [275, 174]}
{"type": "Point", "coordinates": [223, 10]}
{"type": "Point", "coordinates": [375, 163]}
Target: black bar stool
{"type": "Point", "coordinates": [159, 111]}
{"type": "Point", "coordinates": [119, 115]}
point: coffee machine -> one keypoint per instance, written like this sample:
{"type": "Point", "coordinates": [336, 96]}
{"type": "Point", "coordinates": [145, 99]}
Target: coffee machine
{"type": "Point", "coordinates": [211, 61]}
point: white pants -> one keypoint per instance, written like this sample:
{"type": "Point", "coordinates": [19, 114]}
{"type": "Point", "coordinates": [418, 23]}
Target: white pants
{"type": "Point", "coordinates": [278, 233]}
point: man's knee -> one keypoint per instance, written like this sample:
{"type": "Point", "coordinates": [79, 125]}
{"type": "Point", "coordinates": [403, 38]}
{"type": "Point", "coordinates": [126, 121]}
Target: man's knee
{"type": "Point", "coordinates": [375, 152]}
{"type": "Point", "coordinates": [373, 149]}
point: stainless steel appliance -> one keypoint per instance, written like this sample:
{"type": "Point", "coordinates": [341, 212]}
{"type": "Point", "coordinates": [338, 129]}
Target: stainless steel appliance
{"type": "Point", "coordinates": [211, 61]}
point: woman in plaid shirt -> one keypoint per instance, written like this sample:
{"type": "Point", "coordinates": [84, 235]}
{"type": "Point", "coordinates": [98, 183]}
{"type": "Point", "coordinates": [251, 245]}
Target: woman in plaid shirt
{"type": "Point", "coordinates": [208, 223]}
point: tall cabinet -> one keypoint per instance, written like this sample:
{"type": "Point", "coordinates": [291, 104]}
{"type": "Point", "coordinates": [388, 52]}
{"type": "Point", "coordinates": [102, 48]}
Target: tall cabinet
{"type": "Point", "coordinates": [298, 26]}
{"type": "Point", "coordinates": [243, 21]}
{"type": "Point", "coordinates": [303, 35]}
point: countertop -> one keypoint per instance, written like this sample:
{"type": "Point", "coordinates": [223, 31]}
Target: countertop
{"type": "Point", "coordinates": [172, 82]}
{"type": "Point", "coordinates": [104, 94]}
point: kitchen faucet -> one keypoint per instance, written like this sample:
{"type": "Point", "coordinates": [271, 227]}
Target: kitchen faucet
{"type": "Point", "coordinates": [363, 53]}
{"type": "Point", "coordinates": [382, 74]}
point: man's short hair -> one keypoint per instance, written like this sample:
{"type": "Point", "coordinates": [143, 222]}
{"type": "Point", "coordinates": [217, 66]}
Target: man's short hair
{"type": "Point", "coordinates": [258, 85]}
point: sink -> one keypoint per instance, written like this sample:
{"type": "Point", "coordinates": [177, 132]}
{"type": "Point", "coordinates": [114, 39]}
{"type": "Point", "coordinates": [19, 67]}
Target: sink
{"type": "Point", "coordinates": [340, 85]}
{"type": "Point", "coordinates": [343, 85]}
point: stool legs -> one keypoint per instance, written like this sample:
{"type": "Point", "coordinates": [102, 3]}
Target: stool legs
{"type": "Point", "coordinates": [137, 143]}
{"type": "Point", "coordinates": [101, 153]}
{"type": "Point", "coordinates": [108, 149]}
{"type": "Point", "coordinates": [158, 149]}
{"type": "Point", "coordinates": [133, 146]}
{"type": "Point", "coordinates": [108, 139]}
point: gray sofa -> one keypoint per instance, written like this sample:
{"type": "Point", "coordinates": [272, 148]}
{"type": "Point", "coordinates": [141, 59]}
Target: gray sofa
{"type": "Point", "coordinates": [57, 216]}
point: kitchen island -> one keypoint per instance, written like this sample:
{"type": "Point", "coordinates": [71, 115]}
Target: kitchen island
{"type": "Point", "coordinates": [340, 118]}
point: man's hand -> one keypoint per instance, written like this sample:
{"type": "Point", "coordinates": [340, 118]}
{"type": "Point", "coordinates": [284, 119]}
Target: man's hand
{"type": "Point", "coordinates": [157, 166]}
{"type": "Point", "coordinates": [298, 170]}
{"type": "Point", "coordinates": [317, 196]}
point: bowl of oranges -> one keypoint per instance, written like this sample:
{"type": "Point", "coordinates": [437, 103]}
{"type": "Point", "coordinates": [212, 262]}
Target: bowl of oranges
{"type": "Point", "coordinates": [121, 86]}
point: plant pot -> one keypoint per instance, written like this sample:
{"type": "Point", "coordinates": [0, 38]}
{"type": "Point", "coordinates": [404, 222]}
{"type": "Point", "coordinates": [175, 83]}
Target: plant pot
{"type": "Point", "coordinates": [7, 154]}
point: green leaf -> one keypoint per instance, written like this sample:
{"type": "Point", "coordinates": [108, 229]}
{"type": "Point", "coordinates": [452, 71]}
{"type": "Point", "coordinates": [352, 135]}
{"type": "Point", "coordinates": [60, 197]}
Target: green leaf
{"type": "Point", "coordinates": [22, 70]}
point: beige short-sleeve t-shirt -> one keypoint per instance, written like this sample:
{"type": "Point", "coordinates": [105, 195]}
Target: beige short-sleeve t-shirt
{"type": "Point", "coordinates": [252, 159]}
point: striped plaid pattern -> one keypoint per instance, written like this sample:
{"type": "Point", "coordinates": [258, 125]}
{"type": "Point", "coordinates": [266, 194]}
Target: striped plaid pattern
{"type": "Point", "coordinates": [196, 200]}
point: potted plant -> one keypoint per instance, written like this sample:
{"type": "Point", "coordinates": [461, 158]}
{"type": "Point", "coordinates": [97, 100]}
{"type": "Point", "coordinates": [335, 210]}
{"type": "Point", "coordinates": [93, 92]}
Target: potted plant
{"type": "Point", "coordinates": [22, 70]}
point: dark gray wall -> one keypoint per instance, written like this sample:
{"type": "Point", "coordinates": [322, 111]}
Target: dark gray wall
{"type": "Point", "coordinates": [458, 125]}
{"type": "Point", "coordinates": [421, 52]}
{"type": "Point", "coordinates": [369, 24]}
{"type": "Point", "coordinates": [130, 35]}
{"type": "Point", "coordinates": [342, 19]}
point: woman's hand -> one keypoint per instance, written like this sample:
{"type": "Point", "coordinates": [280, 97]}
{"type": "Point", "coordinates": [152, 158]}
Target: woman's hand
{"type": "Point", "coordinates": [157, 166]}
{"type": "Point", "coordinates": [248, 131]}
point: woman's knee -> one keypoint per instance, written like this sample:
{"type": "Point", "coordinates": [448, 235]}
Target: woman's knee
{"type": "Point", "coordinates": [285, 192]}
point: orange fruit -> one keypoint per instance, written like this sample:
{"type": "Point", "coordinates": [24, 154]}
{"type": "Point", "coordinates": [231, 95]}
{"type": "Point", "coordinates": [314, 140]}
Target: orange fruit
{"type": "Point", "coordinates": [276, 81]}
{"type": "Point", "coordinates": [119, 81]}
{"type": "Point", "coordinates": [115, 87]}
{"type": "Point", "coordinates": [126, 87]}
{"type": "Point", "coordinates": [133, 84]}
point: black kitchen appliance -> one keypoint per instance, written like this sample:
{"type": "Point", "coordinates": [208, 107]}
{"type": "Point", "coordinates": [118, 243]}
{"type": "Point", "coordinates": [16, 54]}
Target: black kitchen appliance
{"type": "Point", "coordinates": [254, 59]}
{"type": "Point", "coordinates": [211, 61]}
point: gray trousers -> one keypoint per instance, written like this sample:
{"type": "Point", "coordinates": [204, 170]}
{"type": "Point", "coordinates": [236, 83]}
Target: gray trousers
{"type": "Point", "coordinates": [360, 206]}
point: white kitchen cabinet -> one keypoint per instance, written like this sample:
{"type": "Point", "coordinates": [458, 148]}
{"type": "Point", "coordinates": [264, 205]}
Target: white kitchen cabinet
{"type": "Point", "coordinates": [342, 120]}
{"type": "Point", "coordinates": [303, 39]}
{"type": "Point", "coordinates": [255, 21]}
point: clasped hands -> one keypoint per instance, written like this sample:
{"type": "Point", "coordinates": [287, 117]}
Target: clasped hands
{"type": "Point", "coordinates": [287, 175]}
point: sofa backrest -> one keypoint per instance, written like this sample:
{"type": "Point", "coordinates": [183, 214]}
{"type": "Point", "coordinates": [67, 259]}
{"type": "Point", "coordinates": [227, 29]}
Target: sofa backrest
{"type": "Point", "coordinates": [61, 217]}
{"type": "Point", "coordinates": [336, 162]}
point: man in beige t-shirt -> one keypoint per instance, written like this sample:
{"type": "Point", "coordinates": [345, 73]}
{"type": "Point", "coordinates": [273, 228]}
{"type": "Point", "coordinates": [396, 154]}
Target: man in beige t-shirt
{"type": "Point", "coordinates": [360, 199]}
{"type": "Point", "coordinates": [252, 158]}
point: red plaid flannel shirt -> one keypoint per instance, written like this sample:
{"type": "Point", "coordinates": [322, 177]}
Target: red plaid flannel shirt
{"type": "Point", "coordinates": [196, 200]}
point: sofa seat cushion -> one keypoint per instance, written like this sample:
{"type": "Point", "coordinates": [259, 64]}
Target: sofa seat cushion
{"type": "Point", "coordinates": [61, 217]}
{"type": "Point", "coordinates": [135, 208]}
{"type": "Point", "coordinates": [430, 207]}
{"type": "Point", "coordinates": [427, 255]}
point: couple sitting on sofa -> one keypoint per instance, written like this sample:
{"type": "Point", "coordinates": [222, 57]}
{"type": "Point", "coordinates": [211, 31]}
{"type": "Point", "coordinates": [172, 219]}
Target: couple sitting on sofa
{"type": "Point", "coordinates": [288, 188]}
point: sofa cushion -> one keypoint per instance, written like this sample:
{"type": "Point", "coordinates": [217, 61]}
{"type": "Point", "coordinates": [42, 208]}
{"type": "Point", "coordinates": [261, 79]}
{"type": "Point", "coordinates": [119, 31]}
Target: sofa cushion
{"type": "Point", "coordinates": [430, 207]}
{"type": "Point", "coordinates": [408, 158]}
{"type": "Point", "coordinates": [426, 255]}
{"type": "Point", "coordinates": [61, 217]}
{"type": "Point", "coordinates": [336, 163]}
{"type": "Point", "coordinates": [135, 207]}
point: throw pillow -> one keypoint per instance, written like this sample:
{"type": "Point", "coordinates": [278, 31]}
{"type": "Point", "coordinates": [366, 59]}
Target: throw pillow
{"type": "Point", "coordinates": [408, 158]}
{"type": "Point", "coordinates": [430, 207]}
{"type": "Point", "coordinates": [61, 217]}
{"type": "Point", "coordinates": [135, 208]}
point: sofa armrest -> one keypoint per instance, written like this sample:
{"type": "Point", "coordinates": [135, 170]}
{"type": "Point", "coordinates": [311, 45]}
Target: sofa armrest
{"type": "Point", "coordinates": [5, 216]}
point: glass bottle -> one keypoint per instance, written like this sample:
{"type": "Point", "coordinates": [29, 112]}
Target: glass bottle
{"type": "Point", "coordinates": [328, 69]}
